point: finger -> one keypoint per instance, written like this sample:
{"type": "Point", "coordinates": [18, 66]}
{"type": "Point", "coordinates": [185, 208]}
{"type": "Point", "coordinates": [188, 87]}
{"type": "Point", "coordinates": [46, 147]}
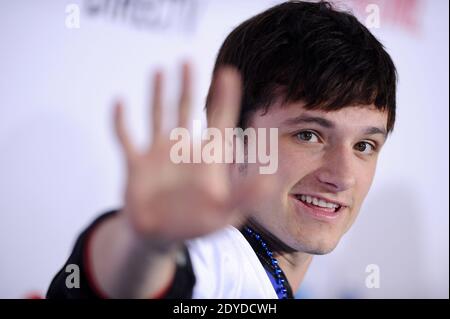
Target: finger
{"type": "Point", "coordinates": [185, 97]}
{"type": "Point", "coordinates": [225, 107]}
{"type": "Point", "coordinates": [156, 107]}
{"type": "Point", "coordinates": [226, 99]}
{"type": "Point", "coordinates": [121, 132]}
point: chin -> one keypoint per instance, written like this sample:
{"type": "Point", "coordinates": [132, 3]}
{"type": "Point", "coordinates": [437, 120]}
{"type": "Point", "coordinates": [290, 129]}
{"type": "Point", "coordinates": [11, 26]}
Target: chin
{"type": "Point", "coordinates": [319, 251]}
{"type": "Point", "coordinates": [317, 247]}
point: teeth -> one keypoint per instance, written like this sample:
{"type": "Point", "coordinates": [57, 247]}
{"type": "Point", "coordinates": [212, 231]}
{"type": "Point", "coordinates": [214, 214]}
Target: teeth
{"type": "Point", "coordinates": [330, 205]}
{"type": "Point", "coordinates": [317, 202]}
{"type": "Point", "coordinates": [322, 203]}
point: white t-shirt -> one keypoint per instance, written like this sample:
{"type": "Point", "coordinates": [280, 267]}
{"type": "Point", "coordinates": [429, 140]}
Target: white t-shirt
{"type": "Point", "coordinates": [225, 266]}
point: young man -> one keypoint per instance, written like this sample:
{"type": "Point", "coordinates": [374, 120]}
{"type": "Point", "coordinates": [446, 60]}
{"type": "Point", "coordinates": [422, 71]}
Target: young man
{"type": "Point", "coordinates": [328, 86]}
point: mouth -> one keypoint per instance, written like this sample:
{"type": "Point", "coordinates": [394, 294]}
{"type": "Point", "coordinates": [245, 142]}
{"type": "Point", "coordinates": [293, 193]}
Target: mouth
{"type": "Point", "coordinates": [318, 207]}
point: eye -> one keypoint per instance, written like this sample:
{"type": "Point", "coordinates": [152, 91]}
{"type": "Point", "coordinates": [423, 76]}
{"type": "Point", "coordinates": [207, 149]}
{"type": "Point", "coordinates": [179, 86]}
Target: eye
{"type": "Point", "coordinates": [365, 147]}
{"type": "Point", "coordinates": [307, 136]}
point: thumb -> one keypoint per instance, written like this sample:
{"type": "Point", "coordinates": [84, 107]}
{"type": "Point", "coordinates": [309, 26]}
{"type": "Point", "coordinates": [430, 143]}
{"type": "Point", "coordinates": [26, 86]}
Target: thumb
{"type": "Point", "coordinates": [249, 194]}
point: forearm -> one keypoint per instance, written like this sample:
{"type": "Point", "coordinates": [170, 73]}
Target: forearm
{"type": "Point", "coordinates": [123, 266]}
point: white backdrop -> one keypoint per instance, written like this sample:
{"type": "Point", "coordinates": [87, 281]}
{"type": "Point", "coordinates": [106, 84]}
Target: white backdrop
{"type": "Point", "coordinates": [60, 165]}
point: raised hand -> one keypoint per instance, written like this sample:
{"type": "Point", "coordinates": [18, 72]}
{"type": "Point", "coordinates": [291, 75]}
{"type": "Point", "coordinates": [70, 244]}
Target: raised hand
{"type": "Point", "coordinates": [168, 202]}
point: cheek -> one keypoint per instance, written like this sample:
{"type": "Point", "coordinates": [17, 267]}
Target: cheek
{"type": "Point", "coordinates": [295, 163]}
{"type": "Point", "coordinates": [364, 182]}
{"type": "Point", "coordinates": [365, 179]}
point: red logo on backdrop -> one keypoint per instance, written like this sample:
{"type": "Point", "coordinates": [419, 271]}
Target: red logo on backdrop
{"type": "Point", "coordinates": [34, 295]}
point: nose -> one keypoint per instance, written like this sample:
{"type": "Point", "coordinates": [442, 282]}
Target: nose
{"type": "Point", "coordinates": [337, 173]}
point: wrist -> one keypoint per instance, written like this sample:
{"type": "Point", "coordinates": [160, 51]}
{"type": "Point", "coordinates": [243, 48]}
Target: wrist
{"type": "Point", "coordinates": [146, 243]}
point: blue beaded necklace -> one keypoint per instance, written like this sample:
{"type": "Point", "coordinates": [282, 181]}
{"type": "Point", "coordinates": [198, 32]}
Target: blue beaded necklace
{"type": "Point", "coordinates": [276, 278]}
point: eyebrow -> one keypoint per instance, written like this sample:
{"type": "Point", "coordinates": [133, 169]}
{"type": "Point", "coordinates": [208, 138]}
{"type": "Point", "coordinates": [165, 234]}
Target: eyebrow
{"type": "Point", "coordinates": [310, 119]}
{"type": "Point", "coordinates": [370, 130]}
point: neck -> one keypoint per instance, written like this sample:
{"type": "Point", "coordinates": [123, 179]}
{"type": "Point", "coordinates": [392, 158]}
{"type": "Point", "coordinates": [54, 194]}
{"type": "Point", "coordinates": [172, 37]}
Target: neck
{"type": "Point", "coordinates": [294, 266]}
{"type": "Point", "coordinates": [293, 263]}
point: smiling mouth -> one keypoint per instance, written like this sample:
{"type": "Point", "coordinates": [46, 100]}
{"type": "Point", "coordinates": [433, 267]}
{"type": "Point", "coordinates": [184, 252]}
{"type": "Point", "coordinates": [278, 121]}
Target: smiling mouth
{"type": "Point", "coordinates": [318, 203]}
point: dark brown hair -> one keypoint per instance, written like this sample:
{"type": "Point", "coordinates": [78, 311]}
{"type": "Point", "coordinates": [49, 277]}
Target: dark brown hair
{"type": "Point", "coordinates": [309, 52]}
